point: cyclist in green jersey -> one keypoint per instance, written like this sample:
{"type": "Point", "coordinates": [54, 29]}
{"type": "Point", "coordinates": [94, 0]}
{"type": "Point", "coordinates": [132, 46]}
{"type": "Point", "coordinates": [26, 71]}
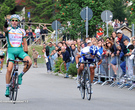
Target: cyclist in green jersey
{"type": "Point", "coordinates": [15, 38]}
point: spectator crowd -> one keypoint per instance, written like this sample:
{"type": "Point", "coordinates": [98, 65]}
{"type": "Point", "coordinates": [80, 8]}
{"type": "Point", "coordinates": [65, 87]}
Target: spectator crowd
{"type": "Point", "coordinates": [116, 46]}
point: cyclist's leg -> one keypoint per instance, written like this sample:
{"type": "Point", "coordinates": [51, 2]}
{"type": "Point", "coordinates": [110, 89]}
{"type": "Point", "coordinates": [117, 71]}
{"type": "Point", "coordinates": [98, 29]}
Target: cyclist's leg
{"type": "Point", "coordinates": [25, 57]}
{"type": "Point", "coordinates": [8, 73]}
{"type": "Point", "coordinates": [79, 71]}
{"type": "Point", "coordinates": [92, 70]}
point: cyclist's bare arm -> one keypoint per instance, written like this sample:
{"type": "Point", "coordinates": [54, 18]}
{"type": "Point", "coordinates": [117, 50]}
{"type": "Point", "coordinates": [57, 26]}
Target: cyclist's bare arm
{"type": "Point", "coordinates": [25, 45]}
{"type": "Point", "coordinates": [77, 58]}
{"type": "Point", "coordinates": [99, 62]}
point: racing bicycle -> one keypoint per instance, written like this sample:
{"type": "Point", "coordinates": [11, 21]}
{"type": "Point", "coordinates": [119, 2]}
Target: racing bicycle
{"type": "Point", "coordinates": [85, 84]}
{"type": "Point", "coordinates": [13, 87]}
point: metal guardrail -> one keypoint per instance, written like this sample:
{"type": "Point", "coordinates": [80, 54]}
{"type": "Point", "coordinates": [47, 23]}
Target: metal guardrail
{"type": "Point", "coordinates": [32, 40]}
{"type": "Point", "coordinates": [121, 80]}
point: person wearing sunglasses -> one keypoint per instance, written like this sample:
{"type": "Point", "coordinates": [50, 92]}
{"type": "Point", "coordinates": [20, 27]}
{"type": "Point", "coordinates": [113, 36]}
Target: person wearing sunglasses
{"type": "Point", "coordinates": [15, 38]}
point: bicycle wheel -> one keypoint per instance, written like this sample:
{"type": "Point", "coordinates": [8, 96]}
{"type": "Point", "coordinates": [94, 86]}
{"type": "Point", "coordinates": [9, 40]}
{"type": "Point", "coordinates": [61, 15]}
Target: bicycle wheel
{"type": "Point", "coordinates": [82, 86]}
{"type": "Point", "coordinates": [11, 88]}
{"type": "Point", "coordinates": [88, 87]}
{"type": "Point", "coordinates": [10, 92]}
{"type": "Point", "coordinates": [15, 88]}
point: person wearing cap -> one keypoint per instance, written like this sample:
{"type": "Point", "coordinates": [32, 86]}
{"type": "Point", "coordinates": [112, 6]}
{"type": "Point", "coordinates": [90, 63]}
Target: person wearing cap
{"type": "Point", "coordinates": [15, 38]}
{"type": "Point", "coordinates": [121, 38]}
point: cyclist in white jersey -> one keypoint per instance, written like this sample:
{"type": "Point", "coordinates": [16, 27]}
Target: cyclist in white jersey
{"type": "Point", "coordinates": [15, 38]}
{"type": "Point", "coordinates": [88, 53]}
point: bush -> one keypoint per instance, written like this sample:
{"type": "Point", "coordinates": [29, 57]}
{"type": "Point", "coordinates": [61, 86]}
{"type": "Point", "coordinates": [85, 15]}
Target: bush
{"type": "Point", "coordinates": [72, 69]}
{"type": "Point", "coordinates": [58, 63]}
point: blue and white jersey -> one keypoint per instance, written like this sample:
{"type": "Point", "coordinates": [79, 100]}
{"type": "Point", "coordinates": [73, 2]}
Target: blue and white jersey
{"type": "Point", "coordinates": [85, 55]}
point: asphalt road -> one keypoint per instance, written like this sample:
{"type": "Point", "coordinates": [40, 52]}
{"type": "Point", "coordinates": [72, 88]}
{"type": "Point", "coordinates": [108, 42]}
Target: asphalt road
{"type": "Point", "coordinates": [44, 91]}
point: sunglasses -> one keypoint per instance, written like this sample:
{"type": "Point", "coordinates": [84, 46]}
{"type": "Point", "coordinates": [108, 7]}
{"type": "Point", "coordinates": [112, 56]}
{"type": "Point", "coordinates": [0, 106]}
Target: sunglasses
{"type": "Point", "coordinates": [15, 20]}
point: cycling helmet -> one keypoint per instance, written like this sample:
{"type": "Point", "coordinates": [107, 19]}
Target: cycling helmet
{"type": "Point", "coordinates": [93, 50]}
{"type": "Point", "coordinates": [15, 16]}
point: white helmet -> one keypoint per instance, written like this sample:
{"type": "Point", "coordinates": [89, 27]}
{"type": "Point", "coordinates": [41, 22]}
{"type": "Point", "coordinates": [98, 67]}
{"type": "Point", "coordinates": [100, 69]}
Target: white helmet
{"type": "Point", "coordinates": [15, 16]}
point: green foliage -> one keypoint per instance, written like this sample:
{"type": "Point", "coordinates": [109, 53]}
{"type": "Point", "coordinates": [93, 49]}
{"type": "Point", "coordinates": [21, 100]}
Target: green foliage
{"type": "Point", "coordinates": [58, 63]}
{"type": "Point", "coordinates": [110, 30]}
{"type": "Point", "coordinates": [6, 6]}
{"type": "Point", "coordinates": [72, 69]}
{"type": "Point", "coordinates": [118, 8]}
{"type": "Point", "coordinates": [132, 12]}
{"type": "Point", "coordinates": [69, 10]}
{"type": "Point", "coordinates": [42, 11]}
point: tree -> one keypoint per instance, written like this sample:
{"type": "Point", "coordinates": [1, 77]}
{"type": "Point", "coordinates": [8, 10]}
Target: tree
{"type": "Point", "coordinates": [132, 12]}
{"type": "Point", "coordinates": [41, 10]}
{"type": "Point", "coordinates": [69, 10]}
{"type": "Point", "coordinates": [6, 6]}
{"type": "Point", "coordinates": [118, 8]}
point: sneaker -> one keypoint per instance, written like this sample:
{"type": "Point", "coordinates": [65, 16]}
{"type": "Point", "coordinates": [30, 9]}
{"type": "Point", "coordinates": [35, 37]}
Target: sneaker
{"type": "Point", "coordinates": [20, 79]}
{"type": "Point", "coordinates": [66, 77]}
{"type": "Point", "coordinates": [78, 85]}
{"type": "Point", "coordinates": [7, 92]}
{"type": "Point", "coordinates": [48, 71]}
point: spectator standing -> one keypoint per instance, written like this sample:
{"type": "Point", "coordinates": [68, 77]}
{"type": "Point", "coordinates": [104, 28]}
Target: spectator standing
{"type": "Point", "coordinates": [44, 31]}
{"type": "Point", "coordinates": [73, 52]}
{"type": "Point", "coordinates": [47, 54]}
{"type": "Point", "coordinates": [35, 56]}
{"type": "Point", "coordinates": [113, 50]}
{"type": "Point", "coordinates": [121, 38]}
{"type": "Point", "coordinates": [54, 58]}
{"type": "Point", "coordinates": [30, 36]}
{"type": "Point", "coordinates": [29, 22]}
{"type": "Point", "coordinates": [37, 32]}
{"type": "Point", "coordinates": [51, 48]}
{"type": "Point", "coordinates": [66, 59]}
{"type": "Point", "coordinates": [126, 22]}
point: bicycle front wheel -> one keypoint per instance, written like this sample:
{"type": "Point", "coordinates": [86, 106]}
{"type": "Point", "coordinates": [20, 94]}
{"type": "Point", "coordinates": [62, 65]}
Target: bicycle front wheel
{"type": "Point", "coordinates": [82, 90]}
{"type": "Point", "coordinates": [15, 83]}
{"type": "Point", "coordinates": [82, 85]}
{"type": "Point", "coordinates": [11, 92]}
{"type": "Point", "coordinates": [88, 88]}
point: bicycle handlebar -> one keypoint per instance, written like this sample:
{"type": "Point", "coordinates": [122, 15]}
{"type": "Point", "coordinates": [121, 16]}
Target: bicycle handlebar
{"type": "Point", "coordinates": [18, 61]}
{"type": "Point", "coordinates": [86, 62]}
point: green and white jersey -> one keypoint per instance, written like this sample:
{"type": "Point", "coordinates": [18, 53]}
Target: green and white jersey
{"type": "Point", "coordinates": [15, 37]}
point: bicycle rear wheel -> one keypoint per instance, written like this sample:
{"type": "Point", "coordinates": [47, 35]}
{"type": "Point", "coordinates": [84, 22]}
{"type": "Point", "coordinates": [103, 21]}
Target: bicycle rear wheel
{"type": "Point", "coordinates": [15, 88]}
{"type": "Point", "coordinates": [88, 88]}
